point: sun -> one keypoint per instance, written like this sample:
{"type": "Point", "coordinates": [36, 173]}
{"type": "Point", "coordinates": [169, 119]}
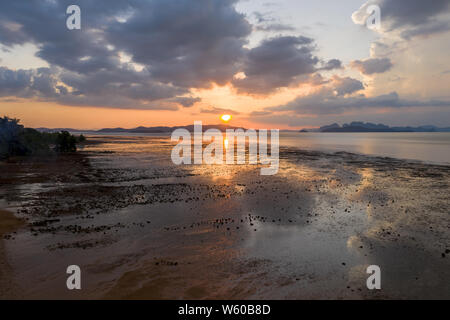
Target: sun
{"type": "Point", "coordinates": [225, 117]}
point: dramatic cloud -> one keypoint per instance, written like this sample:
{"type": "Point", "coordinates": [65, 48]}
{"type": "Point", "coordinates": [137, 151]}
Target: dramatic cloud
{"type": "Point", "coordinates": [411, 12]}
{"type": "Point", "coordinates": [155, 54]}
{"type": "Point", "coordinates": [277, 62]}
{"type": "Point", "coordinates": [150, 54]}
{"type": "Point", "coordinates": [98, 90]}
{"type": "Point", "coordinates": [371, 66]}
{"type": "Point", "coordinates": [136, 54]}
{"type": "Point", "coordinates": [332, 64]}
{"type": "Point", "coordinates": [408, 17]}
{"type": "Point", "coordinates": [347, 85]}
{"type": "Point", "coordinates": [327, 101]}
{"type": "Point", "coordinates": [184, 42]}
{"type": "Point", "coordinates": [430, 28]}
{"type": "Point", "coordinates": [28, 83]}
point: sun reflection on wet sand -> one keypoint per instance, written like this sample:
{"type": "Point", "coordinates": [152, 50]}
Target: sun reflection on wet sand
{"type": "Point", "coordinates": [225, 231]}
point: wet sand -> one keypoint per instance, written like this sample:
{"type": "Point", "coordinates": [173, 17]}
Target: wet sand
{"type": "Point", "coordinates": [8, 227]}
{"type": "Point", "coordinates": [140, 227]}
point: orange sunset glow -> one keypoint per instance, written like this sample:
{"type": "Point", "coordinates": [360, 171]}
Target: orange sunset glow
{"type": "Point", "coordinates": [241, 151]}
{"type": "Point", "coordinates": [225, 117]}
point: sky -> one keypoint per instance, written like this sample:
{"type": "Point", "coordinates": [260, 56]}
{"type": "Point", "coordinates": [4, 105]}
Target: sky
{"type": "Point", "coordinates": [284, 64]}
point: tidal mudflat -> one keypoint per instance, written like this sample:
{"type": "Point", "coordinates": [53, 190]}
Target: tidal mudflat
{"type": "Point", "coordinates": [140, 227]}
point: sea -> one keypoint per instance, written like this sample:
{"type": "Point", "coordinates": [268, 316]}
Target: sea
{"type": "Point", "coordinates": [430, 147]}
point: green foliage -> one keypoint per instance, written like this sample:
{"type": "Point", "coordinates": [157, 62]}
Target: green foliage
{"type": "Point", "coordinates": [10, 131]}
{"type": "Point", "coordinates": [34, 143]}
{"type": "Point", "coordinates": [65, 142]}
{"type": "Point", "coordinates": [15, 140]}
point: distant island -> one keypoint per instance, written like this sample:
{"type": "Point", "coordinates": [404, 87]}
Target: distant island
{"type": "Point", "coordinates": [355, 126]}
{"type": "Point", "coordinates": [141, 129]}
{"type": "Point", "coordinates": [359, 126]}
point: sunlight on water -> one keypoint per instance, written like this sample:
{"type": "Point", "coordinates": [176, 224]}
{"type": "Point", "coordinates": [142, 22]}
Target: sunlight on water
{"type": "Point", "coordinates": [428, 146]}
{"type": "Point", "coordinates": [431, 147]}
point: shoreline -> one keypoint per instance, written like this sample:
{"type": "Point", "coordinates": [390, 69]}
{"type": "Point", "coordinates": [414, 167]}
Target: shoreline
{"type": "Point", "coordinates": [160, 231]}
{"type": "Point", "coordinates": [8, 224]}
{"type": "Point", "coordinates": [97, 139]}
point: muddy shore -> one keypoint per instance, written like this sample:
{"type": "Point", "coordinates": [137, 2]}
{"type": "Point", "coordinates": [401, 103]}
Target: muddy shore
{"type": "Point", "coordinates": [140, 227]}
{"type": "Point", "coordinates": [9, 225]}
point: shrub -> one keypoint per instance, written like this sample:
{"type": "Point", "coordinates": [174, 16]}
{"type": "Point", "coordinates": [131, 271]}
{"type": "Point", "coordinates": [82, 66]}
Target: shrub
{"type": "Point", "coordinates": [10, 132]}
{"type": "Point", "coordinates": [15, 140]}
{"type": "Point", "coordinates": [34, 142]}
{"type": "Point", "coordinates": [65, 142]}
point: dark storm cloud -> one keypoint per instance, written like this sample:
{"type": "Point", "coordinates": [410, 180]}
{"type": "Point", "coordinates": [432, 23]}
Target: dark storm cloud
{"type": "Point", "coordinates": [372, 65]}
{"type": "Point", "coordinates": [276, 63]}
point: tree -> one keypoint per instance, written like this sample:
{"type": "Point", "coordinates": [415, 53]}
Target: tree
{"type": "Point", "coordinates": [15, 140]}
{"type": "Point", "coordinates": [65, 142]}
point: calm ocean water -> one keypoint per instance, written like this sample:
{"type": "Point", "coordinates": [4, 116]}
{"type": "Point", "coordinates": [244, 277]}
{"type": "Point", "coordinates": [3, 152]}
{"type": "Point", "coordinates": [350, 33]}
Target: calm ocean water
{"type": "Point", "coordinates": [433, 147]}
{"type": "Point", "coordinates": [428, 146]}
